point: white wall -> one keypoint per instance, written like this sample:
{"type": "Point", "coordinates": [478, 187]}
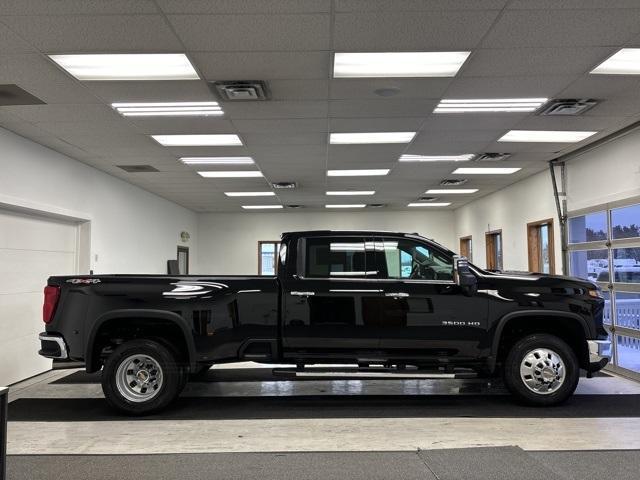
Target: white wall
{"type": "Point", "coordinates": [132, 230]}
{"type": "Point", "coordinates": [229, 241]}
{"type": "Point", "coordinates": [510, 209]}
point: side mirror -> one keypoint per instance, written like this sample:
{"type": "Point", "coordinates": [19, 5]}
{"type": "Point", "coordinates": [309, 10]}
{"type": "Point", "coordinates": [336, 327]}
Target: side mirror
{"type": "Point", "coordinates": [463, 276]}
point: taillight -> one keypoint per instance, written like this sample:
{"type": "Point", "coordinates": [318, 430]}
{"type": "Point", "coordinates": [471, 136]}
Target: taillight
{"type": "Point", "coordinates": [51, 296]}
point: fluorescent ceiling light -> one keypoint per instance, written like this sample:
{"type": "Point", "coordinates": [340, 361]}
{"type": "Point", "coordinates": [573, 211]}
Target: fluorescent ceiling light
{"type": "Point", "coordinates": [352, 205]}
{"type": "Point", "coordinates": [217, 160]}
{"type": "Point", "coordinates": [358, 173]}
{"type": "Point", "coordinates": [398, 64]}
{"type": "Point", "coordinates": [370, 137]}
{"type": "Point", "coordinates": [486, 171]}
{"type": "Point", "coordinates": [437, 158]}
{"type": "Point", "coordinates": [429, 204]}
{"type": "Point", "coordinates": [441, 191]}
{"type": "Point", "coordinates": [249, 194]}
{"type": "Point", "coordinates": [558, 136]}
{"type": "Point", "coordinates": [128, 66]}
{"type": "Point", "coordinates": [351, 192]}
{"type": "Point", "coordinates": [260, 207]}
{"type": "Point", "coordinates": [231, 174]}
{"type": "Point", "coordinates": [170, 109]}
{"type": "Point", "coordinates": [197, 140]}
{"type": "Point", "coordinates": [625, 61]}
{"type": "Point", "coordinates": [490, 105]}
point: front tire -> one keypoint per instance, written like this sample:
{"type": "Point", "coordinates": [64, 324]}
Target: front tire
{"type": "Point", "coordinates": [141, 377]}
{"type": "Point", "coordinates": [541, 370]}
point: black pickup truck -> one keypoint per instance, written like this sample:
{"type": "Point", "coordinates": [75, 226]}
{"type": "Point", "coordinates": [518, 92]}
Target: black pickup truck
{"type": "Point", "coordinates": [371, 299]}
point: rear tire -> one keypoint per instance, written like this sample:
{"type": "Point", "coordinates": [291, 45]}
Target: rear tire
{"type": "Point", "coordinates": [141, 377]}
{"type": "Point", "coordinates": [541, 370]}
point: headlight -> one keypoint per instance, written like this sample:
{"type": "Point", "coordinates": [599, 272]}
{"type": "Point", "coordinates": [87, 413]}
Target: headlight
{"type": "Point", "coordinates": [595, 293]}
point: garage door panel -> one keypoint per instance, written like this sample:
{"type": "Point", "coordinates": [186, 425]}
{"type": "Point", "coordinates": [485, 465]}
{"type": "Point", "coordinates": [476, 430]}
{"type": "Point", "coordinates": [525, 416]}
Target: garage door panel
{"type": "Point", "coordinates": [36, 233]}
{"type": "Point", "coordinates": [21, 315]}
{"type": "Point", "coordinates": [17, 362]}
{"type": "Point", "coordinates": [24, 271]}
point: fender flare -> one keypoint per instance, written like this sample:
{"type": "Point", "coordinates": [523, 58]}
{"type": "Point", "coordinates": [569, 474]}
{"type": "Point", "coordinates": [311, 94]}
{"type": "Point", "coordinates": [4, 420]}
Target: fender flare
{"type": "Point", "coordinates": [528, 313]}
{"type": "Point", "coordinates": [140, 313]}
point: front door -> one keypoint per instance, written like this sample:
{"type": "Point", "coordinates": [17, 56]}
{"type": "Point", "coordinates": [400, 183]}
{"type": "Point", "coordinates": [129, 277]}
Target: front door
{"type": "Point", "coordinates": [424, 312]}
{"type": "Point", "coordinates": [327, 304]}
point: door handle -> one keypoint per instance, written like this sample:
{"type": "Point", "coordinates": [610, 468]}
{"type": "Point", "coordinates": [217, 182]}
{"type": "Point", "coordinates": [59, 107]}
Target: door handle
{"type": "Point", "coordinates": [303, 294]}
{"type": "Point", "coordinates": [397, 294]}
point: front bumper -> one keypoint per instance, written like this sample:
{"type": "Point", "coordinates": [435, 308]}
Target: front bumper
{"type": "Point", "coordinates": [53, 346]}
{"type": "Point", "coordinates": [599, 354]}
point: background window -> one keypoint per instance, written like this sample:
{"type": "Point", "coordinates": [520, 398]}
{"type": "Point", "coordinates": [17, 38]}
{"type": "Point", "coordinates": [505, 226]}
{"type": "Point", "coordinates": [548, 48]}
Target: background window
{"type": "Point", "coordinates": [349, 257]}
{"type": "Point", "coordinates": [183, 260]}
{"type": "Point", "coordinates": [540, 246]}
{"type": "Point", "coordinates": [407, 259]}
{"type": "Point", "coordinates": [466, 247]}
{"type": "Point", "coordinates": [590, 264]}
{"type": "Point", "coordinates": [625, 222]}
{"type": "Point", "coordinates": [494, 250]}
{"type": "Point", "coordinates": [267, 258]}
{"type": "Point", "coordinates": [588, 228]}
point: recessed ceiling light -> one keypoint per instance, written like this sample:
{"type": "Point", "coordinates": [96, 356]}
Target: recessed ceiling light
{"type": "Point", "coordinates": [261, 207]}
{"type": "Point", "coordinates": [490, 105]}
{"type": "Point", "coordinates": [217, 160]}
{"type": "Point", "coordinates": [231, 174]}
{"type": "Point", "coordinates": [352, 205]}
{"type": "Point", "coordinates": [370, 137]}
{"type": "Point", "coordinates": [557, 136]}
{"type": "Point", "coordinates": [397, 64]}
{"type": "Point", "coordinates": [485, 171]}
{"type": "Point", "coordinates": [351, 192]}
{"type": "Point", "coordinates": [439, 191]}
{"type": "Point", "coordinates": [358, 173]}
{"type": "Point", "coordinates": [437, 158]}
{"type": "Point", "coordinates": [249, 194]}
{"type": "Point", "coordinates": [625, 61]}
{"type": "Point", "coordinates": [169, 109]}
{"type": "Point", "coordinates": [127, 66]}
{"type": "Point", "coordinates": [429, 204]}
{"type": "Point", "coordinates": [197, 140]}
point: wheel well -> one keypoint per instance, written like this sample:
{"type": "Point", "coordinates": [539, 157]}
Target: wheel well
{"type": "Point", "coordinates": [568, 329]}
{"type": "Point", "coordinates": [116, 331]}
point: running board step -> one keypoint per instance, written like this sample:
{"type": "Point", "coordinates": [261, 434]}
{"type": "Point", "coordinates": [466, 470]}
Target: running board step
{"type": "Point", "coordinates": [369, 373]}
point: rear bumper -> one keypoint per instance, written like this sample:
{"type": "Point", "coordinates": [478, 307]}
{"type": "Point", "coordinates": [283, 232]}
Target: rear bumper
{"type": "Point", "coordinates": [53, 346]}
{"type": "Point", "coordinates": [599, 354]}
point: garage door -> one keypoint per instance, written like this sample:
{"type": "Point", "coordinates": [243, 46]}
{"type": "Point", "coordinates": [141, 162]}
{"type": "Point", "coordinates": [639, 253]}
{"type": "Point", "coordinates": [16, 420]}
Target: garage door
{"type": "Point", "coordinates": [31, 249]}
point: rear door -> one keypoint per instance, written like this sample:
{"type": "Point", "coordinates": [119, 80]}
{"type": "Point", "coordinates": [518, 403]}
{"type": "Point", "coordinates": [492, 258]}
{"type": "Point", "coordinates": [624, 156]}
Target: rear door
{"type": "Point", "coordinates": [423, 310]}
{"type": "Point", "coordinates": [327, 301]}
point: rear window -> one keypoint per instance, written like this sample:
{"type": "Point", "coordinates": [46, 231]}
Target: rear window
{"type": "Point", "coordinates": [348, 257]}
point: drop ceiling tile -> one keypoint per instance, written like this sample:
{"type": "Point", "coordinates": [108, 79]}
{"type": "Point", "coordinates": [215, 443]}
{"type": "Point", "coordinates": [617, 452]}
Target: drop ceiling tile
{"type": "Point", "coordinates": [528, 86]}
{"type": "Point", "coordinates": [398, 124]}
{"type": "Point", "coordinates": [343, 154]}
{"type": "Point", "coordinates": [262, 65]}
{"type": "Point", "coordinates": [67, 112]}
{"type": "Point", "coordinates": [563, 28]}
{"type": "Point", "coordinates": [293, 152]}
{"type": "Point", "coordinates": [390, 31]}
{"type": "Point", "coordinates": [244, 7]}
{"type": "Point", "coordinates": [76, 7]}
{"type": "Point", "coordinates": [617, 106]}
{"type": "Point", "coordinates": [253, 32]}
{"type": "Point", "coordinates": [274, 109]}
{"type": "Point", "coordinates": [534, 61]}
{"type": "Point", "coordinates": [24, 129]}
{"type": "Point", "coordinates": [603, 87]}
{"type": "Point", "coordinates": [579, 122]}
{"type": "Point", "coordinates": [457, 123]}
{"type": "Point", "coordinates": [416, 5]}
{"type": "Point", "coordinates": [156, 91]}
{"type": "Point", "coordinates": [12, 43]}
{"type": "Point", "coordinates": [181, 125]}
{"type": "Point", "coordinates": [205, 151]}
{"type": "Point", "coordinates": [90, 128]}
{"type": "Point", "coordinates": [433, 145]}
{"type": "Point", "coordinates": [571, 4]}
{"type": "Point", "coordinates": [90, 33]}
{"type": "Point", "coordinates": [296, 89]}
{"type": "Point", "coordinates": [277, 125]}
{"type": "Point", "coordinates": [388, 107]}
{"type": "Point", "coordinates": [105, 139]}
{"type": "Point", "coordinates": [255, 139]}
{"type": "Point", "coordinates": [359, 88]}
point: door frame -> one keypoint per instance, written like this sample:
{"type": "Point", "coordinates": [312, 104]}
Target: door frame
{"type": "Point", "coordinates": [533, 244]}
{"type": "Point", "coordinates": [490, 248]}
{"type": "Point", "coordinates": [183, 249]}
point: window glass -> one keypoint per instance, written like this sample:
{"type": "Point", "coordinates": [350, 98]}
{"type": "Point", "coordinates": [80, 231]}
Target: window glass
{"type": "Point", "coordinates": [339, 258]}
{"type": "Point", "coordinates": [628, 352]}
{"type": "Point", "coordinates": [606, 314]}
{"type": "Point", "coordinates": [625, 222]}
{"type": "Point", "coordinates": [545, 263]}
{"type": "Point", "coordinates": [268, 258]}
{"type": "Point", "coordinates": [588, 228]}
{"type": "Point", "coordinates": [626, 265]}
{"type": "Point", "coordinates": [407, 259]}
{"type": "Point", "coordinates": [590, 264]}
{"type": "Point", "coordinates": [628, 310]}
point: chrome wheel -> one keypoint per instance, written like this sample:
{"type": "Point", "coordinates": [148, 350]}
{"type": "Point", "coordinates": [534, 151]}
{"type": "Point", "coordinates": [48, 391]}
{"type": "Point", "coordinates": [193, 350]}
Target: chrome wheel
{"type": "Point", "coordinates": [543, 371]}
{"type": "Point", "coordinates": [139, 378]}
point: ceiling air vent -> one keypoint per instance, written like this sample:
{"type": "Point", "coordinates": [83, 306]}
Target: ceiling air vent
{"type": "Point", "coordinates": [492, 157]}
{"type": "Point", "coordinates": [287, 185]}
{"type": "Point", "coordinates": [11, 94]}
{"type": "Point", "coordinates": [450, 182]}
{"type": "Point", "coordinates": [377, 205]}
{"type": "Point", "coordinates": [427, 199]}
{"type": "Point", "coordinates": [138, 168]}
{"type": "Point", "coordinates": [242, 90]}
{"type": "Point", "coordinates": [293, 206]}
{"type": "Point", "coordinates": [567, 106]}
